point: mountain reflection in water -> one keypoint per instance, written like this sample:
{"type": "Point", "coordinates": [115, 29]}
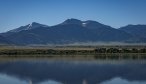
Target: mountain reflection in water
{"type": "Point", "coordinates": [74, 72]}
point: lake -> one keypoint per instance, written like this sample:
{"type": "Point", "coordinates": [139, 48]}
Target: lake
{"type": "Point", "coordinates": [72, 71]}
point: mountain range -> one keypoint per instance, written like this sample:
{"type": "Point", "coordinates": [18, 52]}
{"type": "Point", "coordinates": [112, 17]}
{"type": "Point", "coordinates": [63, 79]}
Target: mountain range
{"type": "Point", "coordinates": [3, 40]}
{"type": "Point", "coordinates": [73, 31]}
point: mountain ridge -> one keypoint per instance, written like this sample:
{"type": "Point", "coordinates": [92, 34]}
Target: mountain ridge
{"type": "Point", "coordinates": [136, 30]}
{"type": "Point", "coordinates": [69, 31]}
{"type": "Point", "coordinates": [29, 26]}
{"type": "Point", "coordinates": [4, 40]}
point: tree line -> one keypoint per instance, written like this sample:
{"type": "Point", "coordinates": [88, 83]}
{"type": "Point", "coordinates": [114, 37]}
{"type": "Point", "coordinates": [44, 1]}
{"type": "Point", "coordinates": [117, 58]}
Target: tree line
{"type": "Point", "coordinates": [65, 52]}
{"type": "Point", "coordinates": [120, 50]}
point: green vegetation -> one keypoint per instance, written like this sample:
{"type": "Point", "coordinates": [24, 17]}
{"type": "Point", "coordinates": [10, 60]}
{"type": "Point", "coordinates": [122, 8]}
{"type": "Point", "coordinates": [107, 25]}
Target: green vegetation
{"type": "Point", "coordinates": [74, 52]}
{"type": "Point", "coordinates": [70, 51]}
{"type": "Point", "coordinates": [120, 50]}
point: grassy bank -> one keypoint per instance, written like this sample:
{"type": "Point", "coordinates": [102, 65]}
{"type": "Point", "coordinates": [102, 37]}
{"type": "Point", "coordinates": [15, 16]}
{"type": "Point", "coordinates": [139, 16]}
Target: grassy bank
{"type": "Point", "coordinates": [72, 50]}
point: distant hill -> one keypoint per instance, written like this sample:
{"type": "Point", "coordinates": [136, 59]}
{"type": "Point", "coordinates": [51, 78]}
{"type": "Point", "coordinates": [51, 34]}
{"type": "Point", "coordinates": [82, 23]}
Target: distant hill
{"type": "Point", "coordinates": [135, 30]}
{"type": "Point", "coordinates": [69, 31]}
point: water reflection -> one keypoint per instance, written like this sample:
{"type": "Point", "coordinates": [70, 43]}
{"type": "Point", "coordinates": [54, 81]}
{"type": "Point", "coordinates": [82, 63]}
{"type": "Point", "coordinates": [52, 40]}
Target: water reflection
{"type": "Point", "coordinates": [4, 79]}
{"type": "Point", "coordinates": [122, 81]}
{"type": "Point", "coordinates": [73, 72]}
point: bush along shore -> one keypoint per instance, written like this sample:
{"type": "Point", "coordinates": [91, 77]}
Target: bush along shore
{"type": "Point", "coordinates": [71, 52]}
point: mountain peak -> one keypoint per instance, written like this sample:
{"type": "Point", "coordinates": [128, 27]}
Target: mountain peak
{"type": "Point", "coordinates": [72, 21]}
{"type": "Point", "coordinates": [87, 24]}
{"type": "Point", "coordinates": [33, 25]}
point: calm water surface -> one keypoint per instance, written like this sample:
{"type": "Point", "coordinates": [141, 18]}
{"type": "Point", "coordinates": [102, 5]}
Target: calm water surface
{"type": "Point", "coordinates": [46, 71]}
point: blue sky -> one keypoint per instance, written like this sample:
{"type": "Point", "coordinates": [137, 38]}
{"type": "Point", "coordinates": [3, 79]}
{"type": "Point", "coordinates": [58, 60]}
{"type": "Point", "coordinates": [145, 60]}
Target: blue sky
{"type": "Point", "coordinates": [116, 13]}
